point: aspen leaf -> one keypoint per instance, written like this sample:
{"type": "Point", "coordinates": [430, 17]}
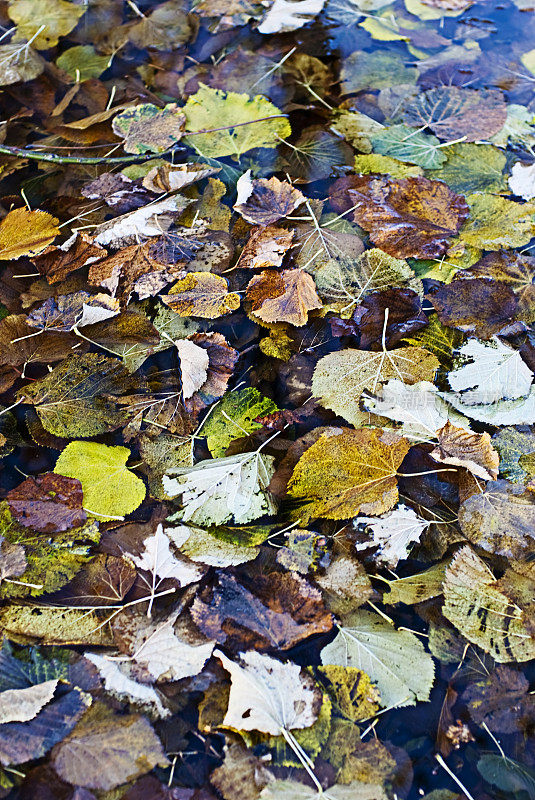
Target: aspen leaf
{"type": "Point", "coordinates": [348, 471]}
{"type": "Point", "coordinates": [157, 558]}
{"type": "Point", "coordinates": [406, 144]}
{"type": "Point", "coordinates": [83, 62]}
{"type": "Point", "coordinates": [201, 294]}
{"type": "Point", "coordinates": [26, 233]}
{"type": "Point", "coordinates": [522, 180]}
{"type": "Point", "coordinates": [395, 660]}
{"type": "Point", "coordinates": [110, 489]}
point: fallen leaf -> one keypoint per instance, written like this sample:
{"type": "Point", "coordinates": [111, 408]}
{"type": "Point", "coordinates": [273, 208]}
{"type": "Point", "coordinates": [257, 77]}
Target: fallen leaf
{"type": "Point", "coordinates": [393, 534]}
{"type": "Point", "coordinates": [47, 503]}
{"type": "Point", "coordinates": [485, 372]}
{"type": "Point", "coordinates": [348, 471]}
{"type": "Point", "coordinates": [233, 418]}
{"type": "Point", "coordinates": [214, 491]}
{"type": "Point", "coordinates": [256, 701]}
{"type": "Point", "coordinates": [118, 683]}
{"type": "Point", "coordinates": [496, 222]}
{"type": "Point", "coordinates": [522, 180]}
{"type": "Point", "coordinates": [293, 790]}
{"type": "Point", "coordinates": [26, 233]}
{"type": "Point", "coordinates": [194, 363]}
{"type": "Point", "coordinates": [408, 217]}
{"type": "Point", "coordinates": [266, 247]}
{"type": "Point", "coordinates": [479, 306]}
{"type": "Point", "coordinates": [69, 311]}
{"type": "Point", "coordinates": [102, 753]}
{"type": "Point", "coordinates": [110, 489]}
{"type": "Point", "coordinates": [202, 294]}
{"type": "Point", "coordinates": [284, 16]}
{"type": "Point", "coordinates": [148, 129]}
{"type": "Point", "coordinates": [287, 296]}
{"type": "Point", "coordinates": [157, 558]}
{"type": "Point", "coordinates": [19, 64]}
{"type": "Point", "coordinates": [394, 659]}
{"type": "Point", "coordinates": [263, 202]}
{"type": "Point", "coordinates": [43, 22]}
{"type": "Point", "coordinates": [473, 451]}
{"type": "Point", "coordinates": [56, 263]}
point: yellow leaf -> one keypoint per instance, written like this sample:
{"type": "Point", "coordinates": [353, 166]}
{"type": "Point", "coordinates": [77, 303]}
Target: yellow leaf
{"type": "Point", "coordinates": [202, 294]}
{"type": "Point", "coordinates": [26, 233]}
{"type": "Point", "coordinates": [348, 471]}
{"type": "Point", "coordinates": [46, 20]}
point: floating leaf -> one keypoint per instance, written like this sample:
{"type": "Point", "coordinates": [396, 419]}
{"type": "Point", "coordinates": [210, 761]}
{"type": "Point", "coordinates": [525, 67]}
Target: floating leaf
{"type": "Point", "coordinates": [284, 16]}
{"type": "Point", "coordinates": [496, 222]}
{"type": "Point", "coordinates": [287, 296]}
{"type": "Point", "coordinates": [485, 372]}
{"type": "Point", "coordinates": [208, 106]}
{"type": "Point", "coordinates": [473, 451]}
{"type": "Point", "coordinates": [19, 62]}
{"type": "Point", "coordinates": [234, 417]}
{"type": "Point", "coordinates": [83, 62]}
{"type": "Point", "coordinates": [48, 503]}
{"type": "Point", "coordinates": [406, 144]}
{"type": "Point", "coordinates": [202, 294]}
{"type": "Point", "coordinates": [256, 702]}
{"type": "Point", "coordinates": [394, 659]}
{"type": "Point", "coordinates": [348, 471]}
{"type": "Point", "coordinates": [110, 489]}
{"type": "Point", "coordinates": [26, 233]}
{"type": "Point", "coordinates": [340, 378]}
{"type": "Point", "coordinates": [215, 491]}
{"type": "Point", "coordinates": [393, 534]}
{"type": "Point", "coordinates": [263, 202]}
{"type": "Point", "coordinates": [43, 22]}
{"type": "Point", "coordinates": [149, 129]}
{"type": "Point", "coordinates": [483, 612]}
{"type": "Point", "coordinates": [471, 168]}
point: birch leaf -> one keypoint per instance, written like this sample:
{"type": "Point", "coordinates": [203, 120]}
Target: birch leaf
{"type": "Point", "coordinates": [394, 659]}
{"type": "Point", "coordinates": [215, 491]}
{"type": "Point", "coordinates": [256, 702]}
{"type": "Point", "coordinates": [158, 559]}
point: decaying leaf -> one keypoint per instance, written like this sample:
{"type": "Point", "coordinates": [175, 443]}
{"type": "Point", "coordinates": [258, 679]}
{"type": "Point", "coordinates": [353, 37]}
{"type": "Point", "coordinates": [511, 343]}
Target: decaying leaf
{"type": "Point", "coordinates": [485, 372]}
{"type": "Point", "coordinates": [234, 417]}
{"type": "Point", "coordinates": [393, 534]}
{"type": "Point", "coordinates": [147, 128]}
{"type": "Point", "coordinates": [285, 296]}
{"type": "Point", "coordinates": [483, 613]}
{"type": "Point", "coordinates": [263, 202]}
{"type": "Point", "coordinates": [348, 471]}
{"type": "Point", "coordinates": [256, 701]}
{"type": "Point", "coordinates": [394, 659]}
{"type": "Point", "coordinates": [202, 294]}
{"type": "Point", "coordinates": [48, 503]}
{"type": "Point", "coordinates": [472, 451]}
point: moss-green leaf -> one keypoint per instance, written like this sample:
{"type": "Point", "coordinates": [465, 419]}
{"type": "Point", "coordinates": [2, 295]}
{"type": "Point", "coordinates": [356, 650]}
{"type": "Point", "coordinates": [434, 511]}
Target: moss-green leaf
{"type": "Point", "coordinates": [234, 417]}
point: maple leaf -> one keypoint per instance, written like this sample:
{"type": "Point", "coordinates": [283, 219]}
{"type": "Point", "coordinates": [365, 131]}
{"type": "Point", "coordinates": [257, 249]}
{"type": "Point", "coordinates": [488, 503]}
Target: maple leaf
{"type": "Point", "coordinates": [202, 294]}
{"type": "Point", "coordinates": [348, 471]}
{"type": "Point", "coordinates": [263, 202]}
{"type": "Point", "coordinates": [287, 296]}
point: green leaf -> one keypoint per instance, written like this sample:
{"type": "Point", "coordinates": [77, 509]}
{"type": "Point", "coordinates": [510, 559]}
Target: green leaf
{"type": "Point", "coordinates": [385, 165]}
{"type": "Point", "coordinates": [472, 168]}
{"type": "Point", "coordinates": [83, 62]}
{"type": "Point", "coordinates": [376, 70]}
{"type": "Point", "coordinates": [51, 562]}
{"type": "Point", "coordinates": [233, 418]}
{"type": "Point", "coordinates": [212, 108]}
{"type": "Point", "coordinates": [506, 774]}
{"type": "Point", "coordinates": [408, 144]}
{"type": "Point", "coordinates": [495, 222]}
{"type": "Point", "coordinates": [394, 659]}
{"type": "Point", "coordinates": [110, 489]}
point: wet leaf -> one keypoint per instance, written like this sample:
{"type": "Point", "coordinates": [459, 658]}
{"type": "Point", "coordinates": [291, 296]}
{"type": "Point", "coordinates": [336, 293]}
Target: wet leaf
{"type": "Point", "coordinates": [48, 503]}
{"type": "Point", "coordinates": [473, 451]}
{"type": "Point", "coordinates": [471, 168]}
{"type": "Point", "coordinates": [408, 217]}
{"type": "Point", "coordinates": [229, 108]}
{"type": "Point", "coordinates": [348, 471]}
{"type": "Point", "coordinates": [19, 63]}
{"type": "Point", "coordinates": [394, 659]}
{"type": "Point", "coordinates": [496, 222]}
{"type": "Point", "coordinates": [453, 113]}
{"type": "Point", "coordinates": [234, 417]}
{"type": "Point", "coordinates": [43, 22]}
{"type": "Point", "coordinates": [26, 233]}
{"type": "Point", "coordinates": [202, 294]}
{"type": "Point", "coordinates": [393, 534]}
{"type": "Point", "coordinates": [263, 202]}
{"type": "Point", "coordinates": [102, 753]}
{"type": "Point", "coordinates": [149, 129]}
{"type": "Point", "coordinates": [287, 296]}
{"type": "Point", "coordinates": [406, 144]}
{"type": "Point", "coordinates": [485, 372]}
{"type": "Point", "coordinates": [286, 16]}
{"type": "Point", "coordinates": [110, 489]}
{"type": "Point", "coordinates": [256, 701]}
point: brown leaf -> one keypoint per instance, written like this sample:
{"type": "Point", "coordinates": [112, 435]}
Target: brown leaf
{"type": "Point", "coordinates": [134, 269]}
{"type": "Point", "coordinates": [283, 610]}
{"type": "Point", "coordinates": [283, 297]}
{"type": "Point", "coordinates": [55, 263]}
{"type": "Point", "coordinates": [107, 750]}
{"type": "Point", "coordinates": [452, 112]}
{"type": "Point", "coordinates": [172, 177]}
{"type": "Point", "coordinates": [20, 345]}
{"type": "Point", "coordinates": [48, 503]}
{"type": "Point", "coordinates": [480, 306]}
{"type": "Point", "coordinates": [106, 580]}
{"type": "Point", "coordinates": [263, 202]}
{"type": "Point", "coordinates": [473, 451]}
{"type": "Point", "coordinates": [399, 309]}
{"type": "Point", "coordinates": [516, 270]}
{"type": "Point", "coordinates": [12, 560]}
{"type": "Point", "coordinates": [241, 776]}
{"type": "Point", "coordinates": [222, 360]}
{"type": "Point", "coordinates": [68, 311]}
{"type": "Point", "coordinates": [501, 701]}
{"type": "Point", "coordinates": [266, 247]}
{"type": "Point", "coordinates": [407, 217]}
{"type": "Point", "coordinates": [201, 294]}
